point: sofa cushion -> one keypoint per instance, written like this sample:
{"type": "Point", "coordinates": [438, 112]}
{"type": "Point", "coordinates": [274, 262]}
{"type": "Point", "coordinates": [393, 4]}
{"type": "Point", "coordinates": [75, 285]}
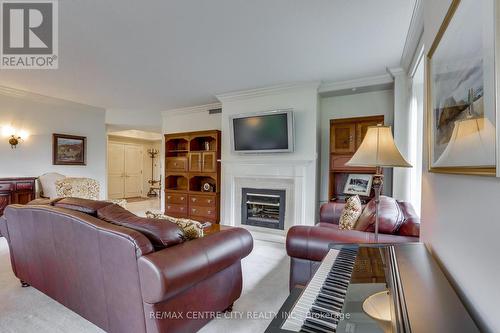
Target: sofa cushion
{"type": "Point", "coordinates": [350, 214]}
{"type": "Point", "coordinates": [81, 205]}
{"type": "Point", "coordinates": [161, 233]}
{"type": "Point", "coordinates": [390, 216]}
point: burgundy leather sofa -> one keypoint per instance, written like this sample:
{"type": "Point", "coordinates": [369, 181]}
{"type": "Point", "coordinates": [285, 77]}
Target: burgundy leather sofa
{"type": "Point", "coordinates": [90, 257]}
{"type": "Point", "coordinates": [307, 245]}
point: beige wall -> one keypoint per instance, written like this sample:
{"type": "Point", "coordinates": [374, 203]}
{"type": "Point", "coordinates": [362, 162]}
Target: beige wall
{"type": "Point", "coordinates": [42, 116]}
{"type": "Point", "coordinates": [146, 159]}
{"type": "Point", "coordinates": [460, 221]}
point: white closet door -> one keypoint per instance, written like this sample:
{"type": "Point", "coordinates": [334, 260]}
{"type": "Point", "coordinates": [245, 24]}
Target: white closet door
{"type": "Point", "coordinates": [116, 170]}
{"type": "Point", "coordinates": [133, 170]}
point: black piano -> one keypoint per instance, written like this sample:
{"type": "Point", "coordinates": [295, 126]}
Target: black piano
{"type": "Point", "coordinates": [375, 288]}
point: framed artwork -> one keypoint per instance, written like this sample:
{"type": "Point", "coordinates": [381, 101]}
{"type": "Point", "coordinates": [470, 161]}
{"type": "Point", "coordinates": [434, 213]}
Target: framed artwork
{"type": "Point", "coordinates": [360, 184]}
{"type": "Point", "coordinates": [69, 149]}
{"type": "Point", "coordinates": [461, 91]}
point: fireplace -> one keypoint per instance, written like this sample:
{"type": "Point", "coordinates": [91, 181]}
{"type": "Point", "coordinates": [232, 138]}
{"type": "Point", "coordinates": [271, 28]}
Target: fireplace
{"type": "Point", "coordinates": [263, 208]}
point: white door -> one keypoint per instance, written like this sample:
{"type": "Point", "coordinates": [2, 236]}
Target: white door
{"type": "Point", "coordinates": [116, 170]}
{"type": "Point", "coordinates": [125, 164]}
{"type": "Point", "coordinates": [133, 171]}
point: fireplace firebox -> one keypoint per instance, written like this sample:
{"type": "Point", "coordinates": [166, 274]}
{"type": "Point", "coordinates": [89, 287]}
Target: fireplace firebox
{"type": "Point", "coordinates": [263, 208]}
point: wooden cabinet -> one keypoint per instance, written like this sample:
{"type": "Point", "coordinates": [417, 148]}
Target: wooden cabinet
{"type": "Point", "coordinates": [16, 191]}
{"type": "Point", "coordinates": [362, 127]}
{"type": "Point", "coordinates": [176, 210]}
{"type": "Point", "coordinates": [346, 136]}
{"type": "Point", "coordinates": [192, 164]}
{"type": "Point", "coordinates": [209, 161]}
{"type": "Point", "coordinates": [202, 200]}
{"type": "Point", "coordinates": [342, 138]}
{"type": "Point", "coordinates": [195, 160]}
{"type": "Point", "coordinates": [176, 164]}
{"type": "Point", "coordinates": [203, 161]}
{"type": "Point", "coordinates": [176, 198]}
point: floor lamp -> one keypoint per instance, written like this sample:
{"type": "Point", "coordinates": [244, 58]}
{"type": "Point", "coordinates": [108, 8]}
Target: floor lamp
{"type": "Point", "coordinates": [378, 150]}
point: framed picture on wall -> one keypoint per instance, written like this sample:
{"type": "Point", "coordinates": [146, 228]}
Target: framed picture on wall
{"type": "Point", "coordinates": [360, 184]}
{"type": "Point", "coordinates": [461, 95]}
{"type": "Point", "coordinates": [68, 149]}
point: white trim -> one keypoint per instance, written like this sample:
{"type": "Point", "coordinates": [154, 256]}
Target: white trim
{"type": "Point", "coordinates": [32, 96]}
{"type": "Point", "coordinates": [252, 93]}
{"type": "Point", "coordinates": [328, 86]}
{"type": "Point", "coordinates": [496, 34]}
{"type": "Point", "coordinates": [414, 36]}
{"type": "Point", "coordinates": [192, 109]}
{"type": "Point", "coordinates": [417, 58]}
{"type": "Point", "coordinates": [396, 71]}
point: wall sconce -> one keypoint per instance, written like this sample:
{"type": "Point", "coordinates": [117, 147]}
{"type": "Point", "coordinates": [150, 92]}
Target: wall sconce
{"type": "Point", "coordinates": [14, 137]}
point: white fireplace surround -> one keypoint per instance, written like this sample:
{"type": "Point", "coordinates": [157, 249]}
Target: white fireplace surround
{"type": "Point", "coordinates": [287, 175]}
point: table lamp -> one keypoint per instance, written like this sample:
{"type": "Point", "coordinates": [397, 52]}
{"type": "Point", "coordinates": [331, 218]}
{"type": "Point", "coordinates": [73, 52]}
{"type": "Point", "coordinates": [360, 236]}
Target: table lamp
{"type": "Point", "coordinates": [378, 150]}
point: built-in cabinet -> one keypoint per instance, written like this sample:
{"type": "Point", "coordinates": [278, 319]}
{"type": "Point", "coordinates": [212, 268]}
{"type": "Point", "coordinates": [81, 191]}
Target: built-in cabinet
{"type": "Point", "coordinates": [346, 136]}
{"type": "Point", "coordinates": [192, 175]}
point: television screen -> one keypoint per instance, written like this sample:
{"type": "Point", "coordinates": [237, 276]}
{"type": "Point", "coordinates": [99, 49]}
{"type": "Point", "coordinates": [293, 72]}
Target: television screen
{"type": "Point", "coordinates": [260, 133]}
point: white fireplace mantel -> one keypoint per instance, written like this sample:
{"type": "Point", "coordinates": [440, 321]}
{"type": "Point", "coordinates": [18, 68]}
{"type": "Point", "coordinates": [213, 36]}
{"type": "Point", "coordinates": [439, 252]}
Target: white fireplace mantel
{"type": "Point", "coordinates": [286, 175]}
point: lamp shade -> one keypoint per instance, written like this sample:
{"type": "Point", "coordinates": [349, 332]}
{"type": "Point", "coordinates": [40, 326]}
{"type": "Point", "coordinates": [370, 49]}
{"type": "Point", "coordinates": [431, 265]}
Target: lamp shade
{"type": "Point", "coordinates": [472, 143]}
{"type": "Point", "coordinates": [378, 150]}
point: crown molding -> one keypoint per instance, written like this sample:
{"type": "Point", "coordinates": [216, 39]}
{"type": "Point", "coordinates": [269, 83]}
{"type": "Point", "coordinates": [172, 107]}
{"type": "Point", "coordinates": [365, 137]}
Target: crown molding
{"type": "Point", "coordinates": [330, 86]}
{"type": "Point", "coordinates": [31, 96]}
{"type": "Point", "coordinates": [192, 109]}
{"type": "Point", "coordinates": [396, 71]}
{"type": "Point", "coordinates": [271, 90]}
{"type": "Point", "coordinates": [414, 37]}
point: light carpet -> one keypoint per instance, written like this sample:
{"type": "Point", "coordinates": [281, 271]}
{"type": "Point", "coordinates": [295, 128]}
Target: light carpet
{"type": "Point", "coordinates": [265, 287]}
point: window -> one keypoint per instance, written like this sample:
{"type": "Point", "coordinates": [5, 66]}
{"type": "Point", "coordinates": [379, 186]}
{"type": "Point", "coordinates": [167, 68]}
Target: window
{"type": "Point", "coordinates": [416, 133]}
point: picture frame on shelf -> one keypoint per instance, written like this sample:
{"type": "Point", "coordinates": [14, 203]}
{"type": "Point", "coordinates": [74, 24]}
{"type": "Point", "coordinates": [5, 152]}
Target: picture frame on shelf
{"type": "Point", "coordinates": [462, 91]}
{"type": "Point", "coordinates": [69, 149]}
{"type": "Point", "coordinates": [358, 184]}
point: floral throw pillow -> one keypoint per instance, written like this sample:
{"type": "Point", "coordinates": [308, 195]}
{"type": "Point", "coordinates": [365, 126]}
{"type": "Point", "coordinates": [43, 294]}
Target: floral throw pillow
{"type": "Point", "coordinates": [350, 214]}
{"type": "Point", "coordinates": [192, 229]}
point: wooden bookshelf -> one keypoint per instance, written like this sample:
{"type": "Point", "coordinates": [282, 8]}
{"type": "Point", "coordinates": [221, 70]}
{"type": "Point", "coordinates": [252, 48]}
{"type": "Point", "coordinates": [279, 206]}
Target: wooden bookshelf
{"type": "Point", "coordinates": [192, 159]}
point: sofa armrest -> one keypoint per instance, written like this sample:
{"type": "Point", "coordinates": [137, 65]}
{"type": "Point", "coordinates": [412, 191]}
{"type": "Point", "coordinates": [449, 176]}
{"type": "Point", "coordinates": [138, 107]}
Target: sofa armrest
{"type": "Point", "coordinates": [330, 212]}
{"type": "Point", "coordinates": [170, 271]}
{"type": "Point", "coordinates": [311, 243]}
{"type": "Point", "coordinates": [411, 224]}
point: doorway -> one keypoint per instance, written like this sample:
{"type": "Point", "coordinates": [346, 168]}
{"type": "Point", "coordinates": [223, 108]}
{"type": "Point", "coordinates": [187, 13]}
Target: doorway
{"type": "Point", "coordinates": [125, 170]}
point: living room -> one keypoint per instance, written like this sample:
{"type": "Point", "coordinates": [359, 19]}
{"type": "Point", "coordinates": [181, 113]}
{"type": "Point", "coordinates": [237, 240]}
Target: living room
{"type": "Point", "coordinates": [245, 153]}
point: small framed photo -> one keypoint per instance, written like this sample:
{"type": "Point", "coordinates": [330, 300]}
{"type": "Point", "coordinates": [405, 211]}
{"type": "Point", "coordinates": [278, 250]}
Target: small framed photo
{"type": "Point", "coordinates": [69, 149]}
{"type": "Point", "coordinates": [360, 184]}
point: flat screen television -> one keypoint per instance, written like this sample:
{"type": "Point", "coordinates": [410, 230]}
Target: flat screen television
{"type": "Point", "coordinates": [263, 132]}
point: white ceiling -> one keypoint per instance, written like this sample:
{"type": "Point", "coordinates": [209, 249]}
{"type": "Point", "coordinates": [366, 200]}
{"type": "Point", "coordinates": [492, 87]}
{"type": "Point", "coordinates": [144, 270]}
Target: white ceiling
{"type": "Point", "coordinates": [159, 54]}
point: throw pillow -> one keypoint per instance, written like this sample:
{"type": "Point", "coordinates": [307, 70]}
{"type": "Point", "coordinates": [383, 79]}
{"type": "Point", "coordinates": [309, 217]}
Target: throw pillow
{"type": "Point", "coordinates": [192, 229]}
{"type": "Point", "coordinates": [48, 184]}
{"type": "Point", "coordinates": [350, 214]}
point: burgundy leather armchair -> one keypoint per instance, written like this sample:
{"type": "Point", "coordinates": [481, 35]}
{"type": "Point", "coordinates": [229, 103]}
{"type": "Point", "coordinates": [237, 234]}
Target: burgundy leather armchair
{"type": "Point", "coordinates": [115, 276]}
{"type": "Point", "coordinates": [307, 245]}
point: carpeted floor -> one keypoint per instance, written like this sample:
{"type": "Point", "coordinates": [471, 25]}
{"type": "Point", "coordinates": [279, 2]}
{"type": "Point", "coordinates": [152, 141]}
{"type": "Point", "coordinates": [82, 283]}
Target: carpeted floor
{"type": "Point", "coordinates": [265, 287]}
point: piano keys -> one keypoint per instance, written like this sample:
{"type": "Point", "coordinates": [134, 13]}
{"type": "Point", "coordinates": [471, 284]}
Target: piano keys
{"type": "Point", "coordinates": [405, 274]}
{"type": "Point", "coordinates": [320, 306]}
